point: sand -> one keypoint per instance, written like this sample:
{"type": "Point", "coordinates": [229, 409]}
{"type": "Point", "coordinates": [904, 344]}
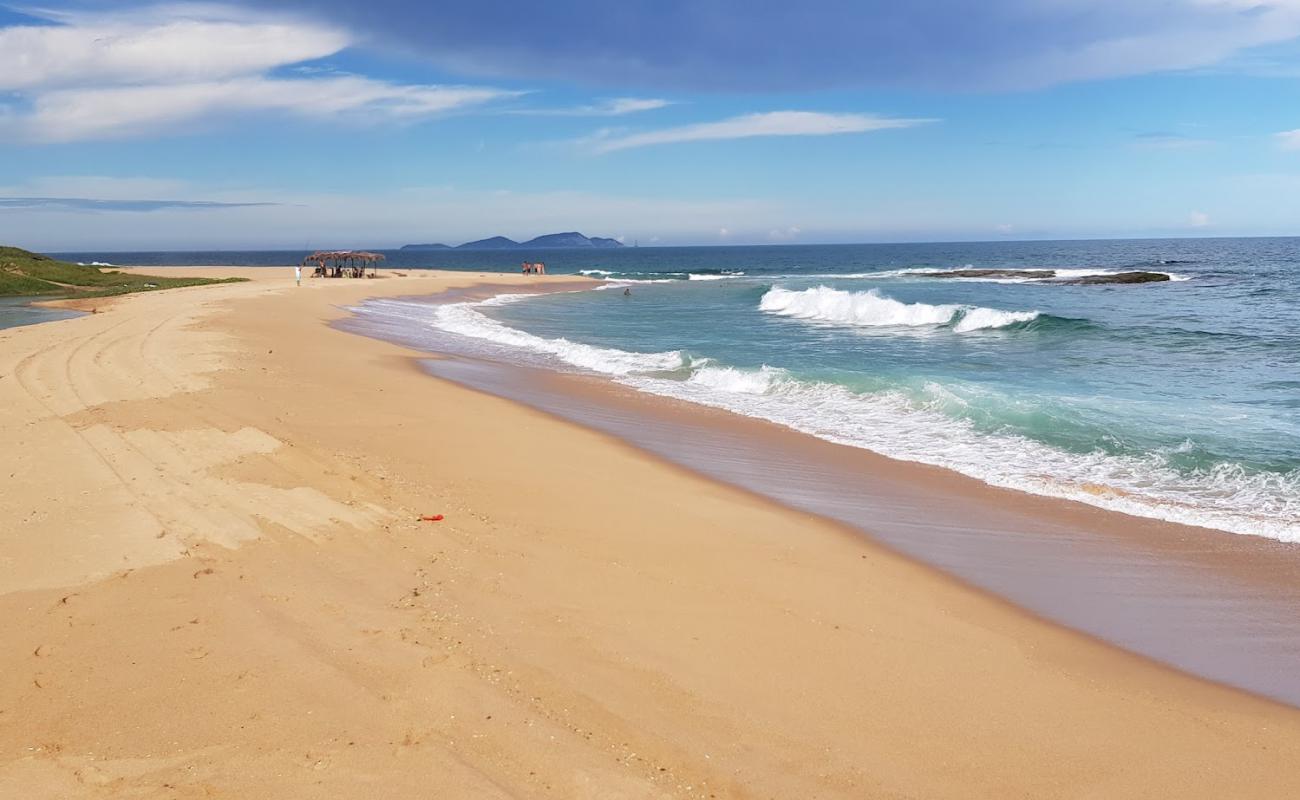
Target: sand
{"type": "Point", "coordinates": [213, 583]}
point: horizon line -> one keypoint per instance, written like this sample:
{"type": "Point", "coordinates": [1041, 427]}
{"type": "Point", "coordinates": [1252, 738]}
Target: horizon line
{"type": "Point", "coordinates": [398, 248]}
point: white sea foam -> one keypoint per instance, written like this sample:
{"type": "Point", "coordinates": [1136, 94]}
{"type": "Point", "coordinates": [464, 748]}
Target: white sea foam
{"type": "Point", "coordinates": [974, 319]}
{"type": "Point", "coordinates": [714, 276]}
{"type": "Point", "coordinates": [890, 423]}
{"type": "Point", "coordinates": [619, 283]}
{"type": "Point", "coordinates": [870, 308]}
{"type": "Point", "coordinates": [465, 319]}
{"type": "Point", "coordinates": [873, 309]}
{"type": "Point", "coordinates": [920, 427]}
{"type": "Point", "coordinates": [738, 381]}
{"type": "Point", "coordinates": [660, 277]}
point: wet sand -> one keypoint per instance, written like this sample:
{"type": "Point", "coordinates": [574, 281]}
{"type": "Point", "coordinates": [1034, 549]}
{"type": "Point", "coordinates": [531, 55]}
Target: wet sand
{"type": "Point", "coordinates": [1221, 606]}
{"type": "Point", "coordinates": [215, 585]}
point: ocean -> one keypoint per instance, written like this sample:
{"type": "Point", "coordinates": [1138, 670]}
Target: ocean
{"type": "Point", "coordinates": [1176, 400]}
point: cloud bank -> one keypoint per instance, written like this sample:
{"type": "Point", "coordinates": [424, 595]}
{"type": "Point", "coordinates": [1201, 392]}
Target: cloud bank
{"type": "Point", "coordinates": [154, 70]}
{"type": "Point", "coordinates": [738, 44]}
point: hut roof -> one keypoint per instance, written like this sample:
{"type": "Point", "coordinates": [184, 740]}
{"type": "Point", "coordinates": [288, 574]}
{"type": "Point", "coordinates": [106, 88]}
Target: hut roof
{"type": "Point", "coordinates": [344, 255]}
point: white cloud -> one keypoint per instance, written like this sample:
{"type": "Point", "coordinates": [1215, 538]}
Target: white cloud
{"type": "Point", "coordinates": [1198, 219]}
{"type": "Point", "coordinates": [180, 51]}
{"type": "Point", "coordinates": [1135, 38]}
{"type": "Point", "coordinates": [827, 44]}
{"type": "Point", "coordinates": [784, 234]}
{"type": "Point", "coordinates": [772, 123]}
{"type": "Point", "coordinates": [614, 107]}
{"type": "Point", "coordinates": [149, 70]}
{"type": "Point", "coordinates": [632, 105]}
{"type": "Point", "coordinates": [77, 114]}
{"type": "Point", "coordinates": [1288, 140]}
{"type": "Point", "coordinates": [1169, 141]}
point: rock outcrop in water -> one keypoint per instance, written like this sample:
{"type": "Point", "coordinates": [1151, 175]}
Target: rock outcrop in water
{"type": "Point", "coordinates": [1034, 274]}
{"type": "Point", "coordinates": [1049, 276]}
{"type": "Point", "coordinates": [1119, 277]}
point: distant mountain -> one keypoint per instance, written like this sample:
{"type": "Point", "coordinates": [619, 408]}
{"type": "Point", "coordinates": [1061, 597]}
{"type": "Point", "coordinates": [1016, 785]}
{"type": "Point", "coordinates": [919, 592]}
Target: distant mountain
{"type": "Point", "coordinates": [495, 243]}
{"type": "Point", "coordinates": [570, 239]}
{"type": "Point", "coordinates": [550, 241]}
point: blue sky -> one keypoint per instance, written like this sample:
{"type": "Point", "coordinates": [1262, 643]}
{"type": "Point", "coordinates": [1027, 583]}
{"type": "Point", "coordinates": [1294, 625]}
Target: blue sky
{"type": "Point", "coordinates": [319, 124]}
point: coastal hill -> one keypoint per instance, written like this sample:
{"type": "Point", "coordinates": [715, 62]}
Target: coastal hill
{"type": "Point", "coordinates": [27, 274]}
{"type": "Point", "coordinates": [551, 241]}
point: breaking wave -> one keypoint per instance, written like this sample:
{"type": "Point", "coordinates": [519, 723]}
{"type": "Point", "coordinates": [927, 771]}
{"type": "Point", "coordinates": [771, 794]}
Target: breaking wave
{"type": "Point", "coordinates": [465, 319]}
{"type": "Point", "coordinates": [873, 309]}
{"type": "Point", "coordinates": [662, 277]}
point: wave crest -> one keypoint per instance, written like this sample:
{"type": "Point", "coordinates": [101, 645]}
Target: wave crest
{"type": "Point", "coordinates": [873, 309]}
{"type": "Point", "coordinates": [464, 319]}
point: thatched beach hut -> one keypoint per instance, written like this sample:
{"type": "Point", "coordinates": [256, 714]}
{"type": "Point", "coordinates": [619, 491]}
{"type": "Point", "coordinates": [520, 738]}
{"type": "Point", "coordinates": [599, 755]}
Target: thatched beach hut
{"type": "Point", "coordinates": [343, 263]}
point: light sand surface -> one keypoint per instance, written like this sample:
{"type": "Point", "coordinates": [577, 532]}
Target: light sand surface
{"type": "Point", "coordinates": [213, 584]}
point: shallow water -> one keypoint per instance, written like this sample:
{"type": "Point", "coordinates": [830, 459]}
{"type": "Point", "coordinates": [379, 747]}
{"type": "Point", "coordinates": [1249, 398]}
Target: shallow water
{"type": "Point", "coordinates": [16, 311]}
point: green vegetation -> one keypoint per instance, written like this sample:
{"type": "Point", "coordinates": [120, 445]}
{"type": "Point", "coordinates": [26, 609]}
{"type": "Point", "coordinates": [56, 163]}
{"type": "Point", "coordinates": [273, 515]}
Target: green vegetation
{"type": "Point", "coordinates": [24, 273]}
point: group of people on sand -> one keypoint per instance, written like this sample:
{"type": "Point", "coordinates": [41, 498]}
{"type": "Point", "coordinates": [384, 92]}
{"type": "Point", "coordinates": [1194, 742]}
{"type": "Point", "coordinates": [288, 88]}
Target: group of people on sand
{"type": "Point", "coordinates": [537, 268]}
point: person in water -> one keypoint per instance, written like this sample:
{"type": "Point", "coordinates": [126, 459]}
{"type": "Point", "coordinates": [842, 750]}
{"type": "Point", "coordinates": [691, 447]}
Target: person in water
{"type": "Point", "coordinates": [627, 292]}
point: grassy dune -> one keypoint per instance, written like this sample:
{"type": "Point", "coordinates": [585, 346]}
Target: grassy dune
{"type": "Point", "coordinates": [23, 273]}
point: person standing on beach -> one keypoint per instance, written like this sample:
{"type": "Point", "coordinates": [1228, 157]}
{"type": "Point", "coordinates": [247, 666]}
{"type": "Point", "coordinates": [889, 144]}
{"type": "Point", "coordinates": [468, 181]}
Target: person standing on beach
{"type": "Point", "coordinates": [297, 274]}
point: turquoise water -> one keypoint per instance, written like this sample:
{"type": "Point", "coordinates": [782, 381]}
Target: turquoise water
{"type": "Point", "coordinates": [1178, 400]}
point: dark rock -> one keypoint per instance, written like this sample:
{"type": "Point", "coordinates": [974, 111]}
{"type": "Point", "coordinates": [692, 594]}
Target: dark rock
{"type": "Point", "coordinates": [1119, 277]}
{"type": "Point", "coordinates": [1037, 274]}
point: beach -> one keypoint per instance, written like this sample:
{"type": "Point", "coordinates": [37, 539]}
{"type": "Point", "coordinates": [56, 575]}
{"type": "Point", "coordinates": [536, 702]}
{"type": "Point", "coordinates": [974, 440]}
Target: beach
{"type": "Point", "coordinates": [217, 583]}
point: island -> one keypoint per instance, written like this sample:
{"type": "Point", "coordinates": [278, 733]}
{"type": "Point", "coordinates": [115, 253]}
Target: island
{"type": "Point", "coordinates": [550, 241]}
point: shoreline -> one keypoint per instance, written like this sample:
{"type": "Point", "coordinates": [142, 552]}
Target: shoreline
{"type": "Point", "coordinates": [1146, 586]}
{"type": "Point", "coordinates": [587, 620]}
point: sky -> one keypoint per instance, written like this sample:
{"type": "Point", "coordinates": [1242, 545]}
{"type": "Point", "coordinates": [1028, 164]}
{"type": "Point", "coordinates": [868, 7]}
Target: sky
{"type": "Point", "coordinates": [317, 124]}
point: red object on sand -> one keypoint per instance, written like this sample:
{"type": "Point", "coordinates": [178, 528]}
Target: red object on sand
{"type": "Point", "coordinates": [434, 518]}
